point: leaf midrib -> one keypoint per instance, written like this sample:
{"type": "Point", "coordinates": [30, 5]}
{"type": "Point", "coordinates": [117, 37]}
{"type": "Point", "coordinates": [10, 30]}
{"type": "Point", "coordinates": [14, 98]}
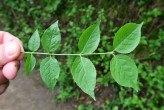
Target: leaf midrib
{"type": "Point", "coordinates": [85, 77]}
{"type": "Point", "coordinates": [33, 44]}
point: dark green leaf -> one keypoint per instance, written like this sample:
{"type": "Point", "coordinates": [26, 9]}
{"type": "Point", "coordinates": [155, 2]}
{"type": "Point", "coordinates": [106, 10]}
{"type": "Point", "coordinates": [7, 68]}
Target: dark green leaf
{"type": "Point", "coordinates": [50, 70]}
{"type": "Point", "coordinates": [30, 64]}
{"type": "Point", "coordinates": [51, 38]}
{"type": "Point", "coordinates": [127, 38]}
{"type": "Point", "coordinates": [124, 71]}
{"type": "Point", "coordinates": [34, 41]}
{"type": "Point", "coordinates": [84, 74]}
{"type": "Point", "coordinates": [90, 39]}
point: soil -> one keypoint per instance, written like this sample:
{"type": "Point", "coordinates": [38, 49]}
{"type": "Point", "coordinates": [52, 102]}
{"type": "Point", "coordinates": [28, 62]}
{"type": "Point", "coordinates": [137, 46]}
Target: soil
{"type": "Point", "coordinates": [30, 94]}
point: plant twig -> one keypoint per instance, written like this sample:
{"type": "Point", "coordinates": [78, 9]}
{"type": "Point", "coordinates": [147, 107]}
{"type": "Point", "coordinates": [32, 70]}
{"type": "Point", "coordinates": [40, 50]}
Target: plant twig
{"type": "Point", "coordinates": [41, 53]}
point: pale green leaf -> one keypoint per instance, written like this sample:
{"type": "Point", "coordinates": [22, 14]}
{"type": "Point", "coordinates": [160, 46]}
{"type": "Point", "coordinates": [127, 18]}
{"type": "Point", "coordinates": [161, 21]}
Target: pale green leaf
{"type": "Point", "coordinates": [34, 41]}
{"type": "Point", "coordinates": [127, 38]}
{"type": "Point", "coordinates": [124, 71]}
{"type": "Point", "coordinates": [50, 70]}
{"type": "Point", "coordinates": [30, 64]}
{"type": "Point", "coordinates": [51, 38]}
{"type": "Point", "coordinates": [90, 39]}
{"type": "Point", "coordinates": [84, 74]}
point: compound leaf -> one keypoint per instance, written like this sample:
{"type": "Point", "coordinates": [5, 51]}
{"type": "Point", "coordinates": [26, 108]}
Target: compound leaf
{"type": "Point", "coordinates": [90, 39]}
{"type": "Point", "coordinates": [51, 38]}
{"type": "Point", "coordinates": [124, 71]}
{"type": "Point", "coordinates": [34, 42]}
{"type": "Point", "coordinates": [84, 74]}
{"type": "Point", "coordinates": [30, 64]}
{"type": "Point", "coordinates": [50, 70]}
{"type": "Point", "coordinates": [127, 38]}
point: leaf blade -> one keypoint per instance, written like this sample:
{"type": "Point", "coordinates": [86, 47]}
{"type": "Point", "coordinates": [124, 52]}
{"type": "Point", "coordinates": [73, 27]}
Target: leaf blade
{"type": "Point", "coordinates": [34, 42]}
{"type": "Point", "coordinates": [49, 71]}
{"type": "Point", "coordinates": [124, 71]}
{"type": "Point", "coordinates": [30, 64]}
{"type": "Point", "coordinates": [51, 38]}
{"type": "Point", "coordinates": [127, 38]}
{"type": "Point", "coordinates": [84, 74]}
{"type": "Point", "coordinates": [90, 39]}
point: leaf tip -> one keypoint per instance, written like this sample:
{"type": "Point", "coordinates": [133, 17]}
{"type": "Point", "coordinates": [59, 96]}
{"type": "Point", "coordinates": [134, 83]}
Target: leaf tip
{"type": "Point", "coordinates": [27, 75]}
{"type": "Point", "coordinates": [93, 96]}
{"type": "Point", "coordinates": [52, 89]}
{"type": "Point", "coordinates": [57, 21]}
{"type": "Point", "coordinates": [98, 22]}
{"type": "Point", "coordinates": [135, 87]}
{"type": "Point", "coordinates": [141, 24]}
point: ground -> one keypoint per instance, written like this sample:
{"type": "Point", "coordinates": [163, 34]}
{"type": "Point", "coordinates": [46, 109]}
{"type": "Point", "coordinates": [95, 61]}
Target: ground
{"type": "Point", "coordinates": [30, 94]}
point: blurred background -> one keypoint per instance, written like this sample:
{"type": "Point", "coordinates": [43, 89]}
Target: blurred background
{"type": "Point", "coordinates": [22, 17]}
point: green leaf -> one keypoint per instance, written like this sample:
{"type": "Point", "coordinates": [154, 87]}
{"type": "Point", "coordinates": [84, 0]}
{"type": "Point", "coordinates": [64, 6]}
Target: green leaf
{"type": "Point", "coordinates": [127, 38]}
{"type": "Point", "coordinates": [90, 39]}
{"type": "Point", "coordinates": [84, 74]}
{"type": "Point", "coordinates": [51, 38]}
{"type": "Point", "coordinates": [34, 41]}
{"type": "Point", "coordinates": [50, 70]}
{"type": "Point", "coordinates": [30, 64]}
{"type": "Point", "coordinates": [124, 71]}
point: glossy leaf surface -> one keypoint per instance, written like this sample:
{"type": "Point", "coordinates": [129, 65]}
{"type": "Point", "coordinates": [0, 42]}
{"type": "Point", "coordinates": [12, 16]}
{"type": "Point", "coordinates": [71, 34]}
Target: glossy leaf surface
{"type": "Point", "coordinates": [30, 64]}
{"type": "Point", "coordinates": [90, 39]}
{"type": "Point", "coordinates": [34, 42]}
{"type": "Point", "coordinates": [51, 38]}
{"type": "Point", "coordinates": [50, 70]}
{"type": "Point", "coordinates": [124, 71]}
{"type": "Point", "coordinates": [84, 74]}
{"type": "Point", "coordinates": [127, 38]}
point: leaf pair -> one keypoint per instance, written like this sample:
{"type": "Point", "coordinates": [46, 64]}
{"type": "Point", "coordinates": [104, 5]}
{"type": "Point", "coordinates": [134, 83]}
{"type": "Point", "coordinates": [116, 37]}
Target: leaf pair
{"type": "Point", "coordinates": [49, 67]}
{"type": "Point", "coordinates": [83, 70]}
{"type": "Point", "coordinates": [33, 45]}
{"type": "Point", "coordinates": [123, 68]}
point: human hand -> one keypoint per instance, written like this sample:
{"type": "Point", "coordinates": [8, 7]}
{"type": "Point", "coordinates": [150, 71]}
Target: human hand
{"type": "Point", "coordinates": [10, 55]}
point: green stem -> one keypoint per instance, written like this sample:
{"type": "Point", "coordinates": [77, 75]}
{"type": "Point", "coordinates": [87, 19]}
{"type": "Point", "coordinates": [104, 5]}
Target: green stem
{"type": "Point", "coordinates": [40, 53]}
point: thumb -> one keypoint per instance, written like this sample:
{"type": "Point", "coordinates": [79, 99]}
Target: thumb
{"type": "Point", "coordinates": [9, 52]}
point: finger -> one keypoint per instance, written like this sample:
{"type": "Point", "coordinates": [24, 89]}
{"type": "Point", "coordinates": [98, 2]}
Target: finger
{"type": "Point", "coordinates": [9, 52]}
{"type": "Point", "coordinates": [3, 87]}
{"type": "Point", "coordinates": [21, 56]}
{"type": "Point", "coordinates": [2, 78]}
{"type": "Point", "coordinates": [6, 37]}
{"type": "Point", "coordinates": [10, 70]}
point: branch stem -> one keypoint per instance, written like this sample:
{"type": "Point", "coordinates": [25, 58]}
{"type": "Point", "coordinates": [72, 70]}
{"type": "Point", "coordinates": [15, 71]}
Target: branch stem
{"type": "Point", "coordinates": [81, 54]}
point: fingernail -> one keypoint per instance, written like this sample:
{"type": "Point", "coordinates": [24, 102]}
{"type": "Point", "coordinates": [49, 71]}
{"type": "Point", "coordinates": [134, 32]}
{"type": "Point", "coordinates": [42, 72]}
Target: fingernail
{"type": "Point", "coordinates": [12, 50]}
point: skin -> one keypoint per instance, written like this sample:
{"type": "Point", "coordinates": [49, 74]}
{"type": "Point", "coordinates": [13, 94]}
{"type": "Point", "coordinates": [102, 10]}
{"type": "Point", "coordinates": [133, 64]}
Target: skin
{"type": "Point", "coordinates": [10, 56]}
